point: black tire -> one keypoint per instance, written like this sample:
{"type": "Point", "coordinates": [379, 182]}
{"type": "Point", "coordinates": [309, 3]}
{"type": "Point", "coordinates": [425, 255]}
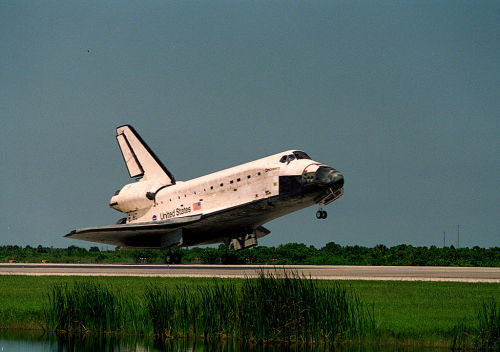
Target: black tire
{"type": "Point", "coordinates": [229, 259]}
{"type": "Point", "coordinates": [176, 258]}
{"type": "Point", "coordinates": [168, 259]}
{"type": "Point", "coordinates": [224, 259]}
{"type": "Point", "coordinates": [319, 214]}
{"type": "Point", "coordinates": [173, 258]}
{"type": "Point", "coordinates": [324, 215]}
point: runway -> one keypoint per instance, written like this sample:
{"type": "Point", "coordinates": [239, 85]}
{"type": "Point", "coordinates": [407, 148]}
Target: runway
{"type": "Point", "coordinates": [334, 272]}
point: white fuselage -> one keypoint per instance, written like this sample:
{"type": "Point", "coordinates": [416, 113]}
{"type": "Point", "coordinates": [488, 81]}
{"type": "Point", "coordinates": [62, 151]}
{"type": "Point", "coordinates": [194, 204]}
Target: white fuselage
{"type": "Point", "coordinates": [233, 187]}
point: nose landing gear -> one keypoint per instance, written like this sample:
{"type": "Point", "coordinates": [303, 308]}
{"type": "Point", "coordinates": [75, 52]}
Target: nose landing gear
{"type": "Point", "coordinates": [321, 214]}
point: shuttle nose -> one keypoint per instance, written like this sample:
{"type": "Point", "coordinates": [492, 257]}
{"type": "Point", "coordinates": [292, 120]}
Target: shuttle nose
{"type": "Point", "coordinates": [329, 177]}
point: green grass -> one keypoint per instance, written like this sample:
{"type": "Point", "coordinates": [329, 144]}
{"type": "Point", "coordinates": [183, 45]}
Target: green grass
{"type": "Point", "coordinates": [416, 307]}
{"type": "Point", "coordinates": [428, 312]}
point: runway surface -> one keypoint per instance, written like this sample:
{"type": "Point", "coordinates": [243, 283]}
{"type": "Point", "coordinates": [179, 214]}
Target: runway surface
{"type": "Point", "coordinates": [335, 272]}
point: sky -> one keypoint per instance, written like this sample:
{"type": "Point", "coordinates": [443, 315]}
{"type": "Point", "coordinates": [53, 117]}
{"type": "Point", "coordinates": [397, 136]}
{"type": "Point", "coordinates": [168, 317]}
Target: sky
{"type": "Point", "coordinates": [402, 97]}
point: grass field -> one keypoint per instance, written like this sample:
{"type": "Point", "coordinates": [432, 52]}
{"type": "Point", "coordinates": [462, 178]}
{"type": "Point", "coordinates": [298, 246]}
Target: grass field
{"type": "Point", "coordinates": [426, 312]}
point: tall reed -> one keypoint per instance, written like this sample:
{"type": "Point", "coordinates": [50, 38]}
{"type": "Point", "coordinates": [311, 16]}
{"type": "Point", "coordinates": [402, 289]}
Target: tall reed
{"type": "Point", "coordinates": [485, 336]}
{"type": "Point", "coordinates": [292, 308]}
{"type": "Point", "coordinates": [207, 311]}
{"type": "Point", "coordinates": [86, 306]}
{"type": "Point", "coordinates": [270, 308]}
{"type": "Point", "coordinates": [488, 337]}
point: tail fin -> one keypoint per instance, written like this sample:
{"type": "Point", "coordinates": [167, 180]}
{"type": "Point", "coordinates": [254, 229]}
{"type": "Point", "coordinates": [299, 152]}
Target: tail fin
{"type": "Point", "coordinates": [140, 160]}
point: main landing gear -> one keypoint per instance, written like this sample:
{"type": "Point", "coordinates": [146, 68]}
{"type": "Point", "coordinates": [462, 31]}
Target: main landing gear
{"type": "Point", "coordinates": [173, 258]}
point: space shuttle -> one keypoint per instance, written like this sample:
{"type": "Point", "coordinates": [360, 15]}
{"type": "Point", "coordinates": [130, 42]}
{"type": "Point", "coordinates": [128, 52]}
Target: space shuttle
{"type": "Point", "coordinates": [229, 206]}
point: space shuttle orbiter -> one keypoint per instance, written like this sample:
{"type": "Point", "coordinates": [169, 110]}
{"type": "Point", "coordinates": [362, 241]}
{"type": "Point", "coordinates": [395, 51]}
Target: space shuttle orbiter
{"type": "Point", "coordinates": [228, 206]}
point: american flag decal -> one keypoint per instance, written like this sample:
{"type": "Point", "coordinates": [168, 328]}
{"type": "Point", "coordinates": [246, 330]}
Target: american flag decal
{"type": "Point", "coordinates": [197, 206]}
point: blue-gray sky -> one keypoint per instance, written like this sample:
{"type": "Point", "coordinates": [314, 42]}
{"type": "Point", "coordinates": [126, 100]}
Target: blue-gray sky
{"type": "Point", "coordinates": [403, 97]}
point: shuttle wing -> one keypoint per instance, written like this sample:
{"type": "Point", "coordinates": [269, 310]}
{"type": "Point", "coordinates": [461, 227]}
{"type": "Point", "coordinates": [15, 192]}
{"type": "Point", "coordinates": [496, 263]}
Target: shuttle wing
{"type": "Point", "coordinates": [197, 229]}
{"type": "Point", "coordinates": [140, 159]}
{"type": "Point", "coordinates": [139, 235]}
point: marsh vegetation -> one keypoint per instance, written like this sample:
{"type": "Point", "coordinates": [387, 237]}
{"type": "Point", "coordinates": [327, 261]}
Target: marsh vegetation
{"type": "Point", "coordinates": [272, 308]}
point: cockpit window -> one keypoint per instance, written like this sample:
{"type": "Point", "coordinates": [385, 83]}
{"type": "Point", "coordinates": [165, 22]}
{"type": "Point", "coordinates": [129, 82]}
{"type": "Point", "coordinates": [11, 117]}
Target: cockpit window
{"type": "Point", "coordinates": [301, 155]}
{"type": "Point", "coordinates": [296, 155]}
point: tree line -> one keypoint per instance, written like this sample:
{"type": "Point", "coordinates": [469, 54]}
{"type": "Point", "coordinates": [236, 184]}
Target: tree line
{"type": "Point", "coordinates": [291, 253]}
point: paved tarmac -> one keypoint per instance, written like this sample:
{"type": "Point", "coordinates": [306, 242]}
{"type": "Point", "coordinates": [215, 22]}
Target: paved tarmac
{"type": "Point", "coordinates": [331, 272]}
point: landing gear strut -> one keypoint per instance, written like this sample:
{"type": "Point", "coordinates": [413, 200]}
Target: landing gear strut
{"type": "Point", "coordinates": [228, 258]}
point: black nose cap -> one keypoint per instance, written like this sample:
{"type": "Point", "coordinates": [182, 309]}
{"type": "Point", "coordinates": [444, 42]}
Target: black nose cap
{"type": "Point", "coordinates": [329, 177]}
{"type": "Point", "coordinates": [338, 180]}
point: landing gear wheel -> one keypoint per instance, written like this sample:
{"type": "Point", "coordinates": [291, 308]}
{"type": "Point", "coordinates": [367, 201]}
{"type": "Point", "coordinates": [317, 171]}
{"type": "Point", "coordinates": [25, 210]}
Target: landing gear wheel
{"type": "Point", "coordinates": [173, 258]}
{"type": "Point", "coordinates": [176, 258]}
{"type": "Point", "coordinates": [321, 214]}
{"type": "Point", "coordinates": [229, 259]}
{"type": "Point", "coordinates": [168, 259]}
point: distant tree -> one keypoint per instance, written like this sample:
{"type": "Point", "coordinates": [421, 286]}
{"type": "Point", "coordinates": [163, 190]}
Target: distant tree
{"type": "Point", "coordinates": [100, 258]}
{"type": "Point", "coordinates": [333, 248]}
{"type": "Point", "coordinates": [292, 253]}
{"type": "Point", "coordinates": [211, 255]}
{"type": "Point", "coordinates": [77, 251]}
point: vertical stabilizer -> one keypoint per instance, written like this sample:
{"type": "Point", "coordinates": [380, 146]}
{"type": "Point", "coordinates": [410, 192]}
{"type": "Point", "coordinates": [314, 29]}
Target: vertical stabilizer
{"type": "Point", "coordinates": [140, 160]}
